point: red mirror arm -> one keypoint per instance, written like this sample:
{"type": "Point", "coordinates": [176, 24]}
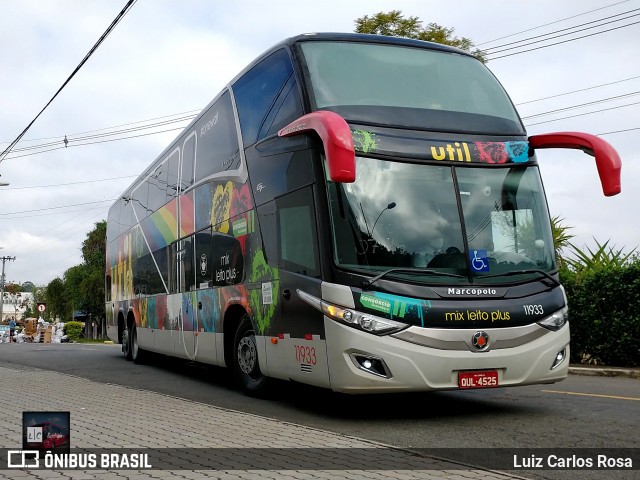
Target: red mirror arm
{"type": "Point", "coordinates": [607, 158]}
{"type": "Point", "coordinates": [335, 134]}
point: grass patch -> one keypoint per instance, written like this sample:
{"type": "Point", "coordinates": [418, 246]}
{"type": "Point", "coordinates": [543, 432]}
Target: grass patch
{"type": "Point", "coordinates": [91, 340]}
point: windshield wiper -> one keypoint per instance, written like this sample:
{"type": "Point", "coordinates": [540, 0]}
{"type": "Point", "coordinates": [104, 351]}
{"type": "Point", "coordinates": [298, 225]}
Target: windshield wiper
{"type": "Point", "coordinates": [555, 282]}
{"type": "Point", "coordinates": [417, 271]}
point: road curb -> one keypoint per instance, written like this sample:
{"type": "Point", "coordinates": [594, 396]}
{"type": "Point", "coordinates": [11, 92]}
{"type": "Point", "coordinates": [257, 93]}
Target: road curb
{"type": "Point", "coordinates": [605, 372]}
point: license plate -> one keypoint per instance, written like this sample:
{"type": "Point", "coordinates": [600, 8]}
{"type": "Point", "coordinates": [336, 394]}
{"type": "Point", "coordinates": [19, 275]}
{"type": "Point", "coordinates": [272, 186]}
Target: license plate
{"type": "Point", "coordinates": [485, 379]}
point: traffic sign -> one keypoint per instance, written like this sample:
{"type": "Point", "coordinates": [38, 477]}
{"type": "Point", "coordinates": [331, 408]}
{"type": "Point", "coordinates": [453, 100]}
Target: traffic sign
{"type": "Point", "coordinates": [42, 307]}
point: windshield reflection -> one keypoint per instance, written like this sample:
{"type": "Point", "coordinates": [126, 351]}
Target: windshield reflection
{"type": "Point", "coordinates": [402, 215]}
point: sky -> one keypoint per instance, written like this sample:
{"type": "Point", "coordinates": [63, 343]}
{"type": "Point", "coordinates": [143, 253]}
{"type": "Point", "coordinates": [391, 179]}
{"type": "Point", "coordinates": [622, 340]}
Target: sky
{"type": "Point", "coordinates": [167, 59]}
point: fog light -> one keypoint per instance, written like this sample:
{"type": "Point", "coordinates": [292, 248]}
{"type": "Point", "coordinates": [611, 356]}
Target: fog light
{"type": "Point", "coordinates": [559, 358]}
{"type": "Point", "coordinates": [370, 364]}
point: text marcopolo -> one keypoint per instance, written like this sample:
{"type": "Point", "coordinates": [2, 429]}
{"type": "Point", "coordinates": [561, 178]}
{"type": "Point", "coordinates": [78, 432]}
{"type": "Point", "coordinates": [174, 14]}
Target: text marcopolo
{"type": "Point", "coordinates": [471, 291]}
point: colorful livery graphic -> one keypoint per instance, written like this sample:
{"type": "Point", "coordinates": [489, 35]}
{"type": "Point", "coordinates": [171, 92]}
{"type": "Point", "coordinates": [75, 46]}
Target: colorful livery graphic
{"type": "Point", "coordinates": [356, 212]}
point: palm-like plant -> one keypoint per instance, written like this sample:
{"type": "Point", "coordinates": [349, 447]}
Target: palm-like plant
{"type": "Point", "coordinates": [561, 239]}
{"type": "Point", "coordinates": [602, 257]}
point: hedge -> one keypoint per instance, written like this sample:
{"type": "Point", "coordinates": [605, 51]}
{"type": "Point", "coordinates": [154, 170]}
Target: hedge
{"type": "Point", "coordinates": [73, 330]}
{"type": "Point", "coordinates": [604, 314]}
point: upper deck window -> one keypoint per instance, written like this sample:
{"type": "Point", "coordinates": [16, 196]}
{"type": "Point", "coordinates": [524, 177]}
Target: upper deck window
{"type": "Point", "coordinates": [426, 88]}
{"type": "Point", "coordinates": [267, 97]}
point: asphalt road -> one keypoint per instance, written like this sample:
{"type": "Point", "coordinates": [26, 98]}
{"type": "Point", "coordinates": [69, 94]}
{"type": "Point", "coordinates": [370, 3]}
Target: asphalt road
{"type": "Point", "coordinates": [581, 412]}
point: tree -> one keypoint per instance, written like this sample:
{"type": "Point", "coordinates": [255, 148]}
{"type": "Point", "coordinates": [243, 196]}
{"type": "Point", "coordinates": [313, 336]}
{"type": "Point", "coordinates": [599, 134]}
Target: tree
{"type": "Point", "coordinates": [94, 247]}
{"type": "Point", "coordinates": [394, 24]}
{"type": "Point", "coordinates": [39, 296]}
{"type": "Point", "coordinates": [94, 250]}
{"type": "Point", "coordinates": [57, 302]}
{"type": "Point", "coordinates": [73, 279]}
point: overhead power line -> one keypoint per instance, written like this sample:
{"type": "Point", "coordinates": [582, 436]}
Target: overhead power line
{"type": "Point", "coordinates": [58, 207]}
{"type": "Point", "coordinates": [579, 90]}
{"type": "Point", "coordinates": [551, 36]}
{"type": "Point", "coordinates": [564, 109]}
{"type": "Point", "coordinates": [565, 41]}
{"type": "Point", "coordinates": [70, 183]}
{"type": "Point", "coordinates": [585, 113]}
{"type": "Point", "coordinates": [190, 113]}
{"type": "Point", "coordinates": [109, 29]}
{"type": "Point", "coordinates": [619, 131]}
{"type": "Point", "coordinates": [93, 143]}
{"type": "Point", "coordinates": [71, 139]}
{"type": "Point", "coordinates": [552, 23]}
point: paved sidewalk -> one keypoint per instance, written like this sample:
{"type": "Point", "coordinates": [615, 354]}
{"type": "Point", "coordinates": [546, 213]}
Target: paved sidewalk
{"type": "Point", "coordinates": [598, 371]}
{"type": "Point", "coordinates": [116, 417]}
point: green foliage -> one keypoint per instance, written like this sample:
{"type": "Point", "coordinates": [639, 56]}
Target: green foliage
{"type": "Point", "coordinates": [94, 247]}
{"type": "Point", "coordinates": [561, 239]}
{"type": "Point", "coordinates": [39, 296]}
{"type": "Point", "coordinates": [56, 300]}
{"type": "Point", "coordinates": [82, 287]}
{"type": "Point", "coordinates": [394, 24]}
{"type": "Point", "coordinates": [28, 287]}
{"type": "Point", "coordinates": [603, 257]}
{"type": "Point", "coordinates": [604, 313]}
{"type": "Point", "coordinates": [73, 330]}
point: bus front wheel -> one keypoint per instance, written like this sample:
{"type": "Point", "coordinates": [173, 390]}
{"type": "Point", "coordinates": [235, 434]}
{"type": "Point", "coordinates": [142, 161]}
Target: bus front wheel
{"type": "Point", "coordinates": [245, 358]}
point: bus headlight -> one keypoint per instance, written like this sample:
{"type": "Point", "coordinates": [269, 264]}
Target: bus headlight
{"type": "Point", "coordinates": [556, 321]}
{"type": "Point", "coordinates": [363, 321]}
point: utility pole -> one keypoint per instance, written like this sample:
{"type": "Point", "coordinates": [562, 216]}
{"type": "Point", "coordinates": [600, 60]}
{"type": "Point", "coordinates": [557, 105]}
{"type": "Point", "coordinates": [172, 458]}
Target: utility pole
{"type": "Point", "coordinates": [4, 260]}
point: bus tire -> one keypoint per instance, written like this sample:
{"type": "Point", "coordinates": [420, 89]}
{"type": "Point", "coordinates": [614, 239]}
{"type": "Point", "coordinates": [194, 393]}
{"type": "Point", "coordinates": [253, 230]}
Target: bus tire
{"type": "Point", "coordinates": [245, 359]}
{"type": "Point", "coordinates": [126, 344]}
{"type": "Point", "coordinates": [137, 354]}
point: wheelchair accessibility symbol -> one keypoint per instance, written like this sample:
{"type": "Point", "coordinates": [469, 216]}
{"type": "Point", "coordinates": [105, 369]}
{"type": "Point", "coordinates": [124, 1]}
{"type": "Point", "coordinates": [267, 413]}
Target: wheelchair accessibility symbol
{"type": "Point", "coordinates": [479, 260]}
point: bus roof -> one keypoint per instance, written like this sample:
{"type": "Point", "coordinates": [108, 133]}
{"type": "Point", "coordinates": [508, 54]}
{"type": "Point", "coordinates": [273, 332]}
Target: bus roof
{"type": "Point", "coordinates": [362, 37]}
{"type": "Point", "coordinates": [288, 42]}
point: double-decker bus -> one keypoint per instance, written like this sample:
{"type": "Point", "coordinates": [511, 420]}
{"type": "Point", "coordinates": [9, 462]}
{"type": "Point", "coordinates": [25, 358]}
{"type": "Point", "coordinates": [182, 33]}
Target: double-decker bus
{"type": "Point", "coordinates": [356, 212]}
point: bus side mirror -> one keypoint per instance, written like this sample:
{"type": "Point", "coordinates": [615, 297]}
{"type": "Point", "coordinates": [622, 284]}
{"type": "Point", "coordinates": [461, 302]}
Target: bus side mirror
{"type": "Point", "coordinates": [335, 134]}
{"type": "Point", "coordinates": [607, 158]}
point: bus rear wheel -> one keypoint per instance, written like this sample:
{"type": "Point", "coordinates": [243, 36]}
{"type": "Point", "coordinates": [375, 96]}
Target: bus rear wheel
{"type": "Point", "coordinates": [137, 354]}
{"type": "Point", "coordinates": [126, 344]}
{"type": "Point", "coordinates": [245, 358]}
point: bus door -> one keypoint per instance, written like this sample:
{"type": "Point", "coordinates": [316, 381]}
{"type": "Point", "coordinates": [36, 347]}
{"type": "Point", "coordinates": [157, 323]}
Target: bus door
{"type": "Point", "coordinates": [185, 342]}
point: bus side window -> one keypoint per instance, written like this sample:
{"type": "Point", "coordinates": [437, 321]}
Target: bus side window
{"type": "Point", "coordinates": [203, 260]}
{"type": "Point", "coordinates": [172, 174]}
{"type": "Point", "coordinates": [188, 158]}
{"type": "Point", "coordinates": [259, 90]}
{"type": "Point", "coordinates": [172, 264]}
{"type": "Point", "coordinates": [107, 288]}
{"type": "Point", "coordinates": [217, 144]}
{"type": "Point", "coordinates": [188, 275]}
{"type": "Point", "coordinates": [298, 241]}
{"type": "Point", "coordinates": [267, 219]}
{"type": "Point", "coordinates": [158, 187]}
{"type": "Point", "coordinates": [285, 110]}
{"type": "Point", "coordinates": [141, 201]}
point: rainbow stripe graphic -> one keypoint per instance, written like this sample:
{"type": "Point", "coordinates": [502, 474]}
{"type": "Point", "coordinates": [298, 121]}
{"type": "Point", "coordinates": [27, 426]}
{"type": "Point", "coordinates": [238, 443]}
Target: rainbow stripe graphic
{"type": "Point", "coordinates": [160, 228]}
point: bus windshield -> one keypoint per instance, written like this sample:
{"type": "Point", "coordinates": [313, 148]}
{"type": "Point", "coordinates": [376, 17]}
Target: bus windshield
{"type": "Point", "coordinates": [428, 88]}
{"type": "Point", "coordinates": [478, 223]}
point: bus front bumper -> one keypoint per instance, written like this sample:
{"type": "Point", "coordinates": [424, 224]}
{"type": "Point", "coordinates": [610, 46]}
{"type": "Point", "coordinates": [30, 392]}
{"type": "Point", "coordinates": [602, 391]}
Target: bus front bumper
{"type": "Point", "coordinates": [360, 362]}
